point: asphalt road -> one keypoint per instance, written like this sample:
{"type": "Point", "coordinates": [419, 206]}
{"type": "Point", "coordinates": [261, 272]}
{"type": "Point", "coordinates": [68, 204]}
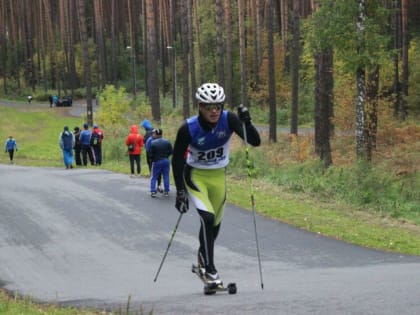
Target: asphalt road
{"type": "Point", "coordinates": [92, 238]}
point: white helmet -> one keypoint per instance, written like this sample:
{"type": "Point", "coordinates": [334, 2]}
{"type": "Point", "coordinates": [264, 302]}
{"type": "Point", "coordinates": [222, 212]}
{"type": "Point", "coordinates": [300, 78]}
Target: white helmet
{"type": "Point", "coordinates": [210, 93]}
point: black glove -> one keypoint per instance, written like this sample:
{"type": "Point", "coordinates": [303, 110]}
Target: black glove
{"type": "Point", "coordinates": [181, 203]}
{"type": "Point", "coordinates": [243, 114]}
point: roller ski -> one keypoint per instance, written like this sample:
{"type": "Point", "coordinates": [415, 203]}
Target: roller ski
{"type": "Point", "coordinates": [212, 284]}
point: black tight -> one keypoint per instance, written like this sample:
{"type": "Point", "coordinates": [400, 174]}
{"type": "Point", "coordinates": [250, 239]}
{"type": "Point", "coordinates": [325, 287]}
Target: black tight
{"type": "Point", "coordinates": [207, 236]}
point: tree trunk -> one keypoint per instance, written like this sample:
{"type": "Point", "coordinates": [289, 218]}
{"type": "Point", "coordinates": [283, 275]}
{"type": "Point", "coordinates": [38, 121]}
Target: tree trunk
{"type": "Point", "coordinates": [257, 43]}
{"type": "Point", "coordinates": [100, 43]}
{"type": "Point", "coordinates": [295, 68]}
{"type": "Point", "coordinates": [285, 11]}
{"type": "Point", "coordinates": [85, 57]}
{"type": "Point", "coordinates": [360, 88]}
{"type": "Point", "coordinates": [220, 65]}
{"type": "Point", "coordinates": [152, 60]}
{"type": "Point", "coordinates": [271, 75]}
{"type": "Point", "coordinates": [404, 61]}
{"type": "Point", "coordinates": [192, 55]}
{"type": "Point", "coordinates": [397, 47]}
{"type": "Point", "coordinates": [3, 44]}
{"type": "Point", "coordinates": [145, 48]}
{"type": "Point", "coordinates": [133, 50]}
{"type": "Point", "coordinates": [372, 87]}
{"type": "Point", "coordinates": [114, 72]}
{"type": "Point", "coordinates": [242, 52]}
{"type": "Point", "coordinates": [185, 60]}
{"type": "Point", "coordinates": [198, 40]}
{"type": "Point", "coordinates": [28, 47]}
{"type": "Point", "coordinates": [229, 74]}
{"type": "Point", "coordinates": [324, 83]}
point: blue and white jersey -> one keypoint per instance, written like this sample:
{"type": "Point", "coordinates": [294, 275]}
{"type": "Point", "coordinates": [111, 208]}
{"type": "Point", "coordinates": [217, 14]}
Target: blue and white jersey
{"type": "Point", "coordinates": [10, 144]}
{"type": "Point", "coordinates": [209, 149]}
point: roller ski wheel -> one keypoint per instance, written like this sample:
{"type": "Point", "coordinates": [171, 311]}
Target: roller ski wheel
{"type": "Point", "coordinates": [211, 288]}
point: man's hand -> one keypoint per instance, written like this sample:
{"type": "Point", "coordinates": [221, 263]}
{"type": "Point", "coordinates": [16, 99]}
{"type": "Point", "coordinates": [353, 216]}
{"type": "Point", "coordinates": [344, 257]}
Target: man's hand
{"type": "Point", "coordinates": [182, 203]}
{"type": "Point", "coordinates": [243, 114]}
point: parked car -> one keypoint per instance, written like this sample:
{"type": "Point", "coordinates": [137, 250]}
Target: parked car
{"type": "Point", "coordinates": [65, 101]}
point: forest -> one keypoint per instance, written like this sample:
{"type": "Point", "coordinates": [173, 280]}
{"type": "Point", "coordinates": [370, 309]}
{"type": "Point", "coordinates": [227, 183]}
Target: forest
{"type": "Point", "coordinates": [332, 85]}
{"type": "Point", "coordinates": [298, 62]}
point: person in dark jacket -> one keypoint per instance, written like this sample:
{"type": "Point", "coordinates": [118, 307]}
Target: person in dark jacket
{"type": "Point", "coordinates": [147, 144]}
{"type": "Point", "coordinates": [10, 147]}
{"type": "Point", "coordinates": [85, 136]}
{"type": "Point", "coordinates": [134, 143]}
{"type": "Point", "coordinates": [96, 143]}
{"type": "Point", "coordinates": [66, 142]}
{"type": "Point", "coordinates": [77, 146]}
{"type": "Point", "coordinates": [160, 150]}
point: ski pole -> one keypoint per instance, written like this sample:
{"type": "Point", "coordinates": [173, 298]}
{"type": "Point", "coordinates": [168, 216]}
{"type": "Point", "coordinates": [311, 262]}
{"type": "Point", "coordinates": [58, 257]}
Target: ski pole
{"type": "Point", "coordinates": [169, 245]}
{"type": "Point", "coordinates": [248, 166]}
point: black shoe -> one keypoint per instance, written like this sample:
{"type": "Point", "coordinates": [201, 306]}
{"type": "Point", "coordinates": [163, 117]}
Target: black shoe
{"type": "Point", "coordinates": [153, 194]}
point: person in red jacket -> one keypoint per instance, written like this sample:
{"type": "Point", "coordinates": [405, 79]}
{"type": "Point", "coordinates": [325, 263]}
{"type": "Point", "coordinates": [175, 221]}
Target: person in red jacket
{"type": "Point", "coordinates": [134, 143]}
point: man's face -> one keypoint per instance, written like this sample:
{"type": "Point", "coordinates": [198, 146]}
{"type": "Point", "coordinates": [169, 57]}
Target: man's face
{"type": "Point", "coordinates": [211, 112]}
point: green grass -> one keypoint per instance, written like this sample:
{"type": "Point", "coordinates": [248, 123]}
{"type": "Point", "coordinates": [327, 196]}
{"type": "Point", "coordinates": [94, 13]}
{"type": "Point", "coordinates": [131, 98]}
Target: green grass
{"type": "Point", "coordinates": [15, 305]}
{"type": "Point", "coordinates": [36, 132]}
{"type": "Point", "coordinates": [331, 218]}
{"type": "Point", "coordinates": [18, 306]}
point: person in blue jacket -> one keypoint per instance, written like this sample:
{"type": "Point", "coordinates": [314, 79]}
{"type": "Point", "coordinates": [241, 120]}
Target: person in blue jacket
{"type": "Point", "coordinates": [148, 128]}
{"type": "Point", "coordinates": [85, 136]}
{"type": "Point", "coordinates": [66, 141]}
{"type": "Point", "coordinates": [10, 147]}
{"type": "Point", "coordinates": [160, 150]}
{"type": "Point", "coordinates": [55, 100]}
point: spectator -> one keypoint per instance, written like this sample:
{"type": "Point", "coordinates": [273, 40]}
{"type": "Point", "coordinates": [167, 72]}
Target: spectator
{"type": "Point", "coordinates": [50, 99]}
{"type": "Point", "coordinates": [147, 145]}
{"type": "Point", "coordinates": [77, 146]}
{"type": "Point", "coordinates": [147, 135]}
{"type": "Point", "coordinates": [84, 137]}
{"type": "Point", "coordinates": [55, 100]}
{"type": "Point", "coordinates": [10, 147]}
{"type": "Point", "coordinates": [29, 99]}
{"type": "Point", "coordinates": [66, 142]}
{"type": "Point", "coordinates": [96, 143]}
{"type": "Point", "coordinates": [134, 143]}
{"type": "Point", "coordinates": [160, 150]}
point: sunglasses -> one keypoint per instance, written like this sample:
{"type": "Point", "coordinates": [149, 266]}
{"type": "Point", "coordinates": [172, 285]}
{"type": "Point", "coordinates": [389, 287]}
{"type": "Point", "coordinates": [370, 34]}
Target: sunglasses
{"type": "Point", "coordinates": [210, 107]}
